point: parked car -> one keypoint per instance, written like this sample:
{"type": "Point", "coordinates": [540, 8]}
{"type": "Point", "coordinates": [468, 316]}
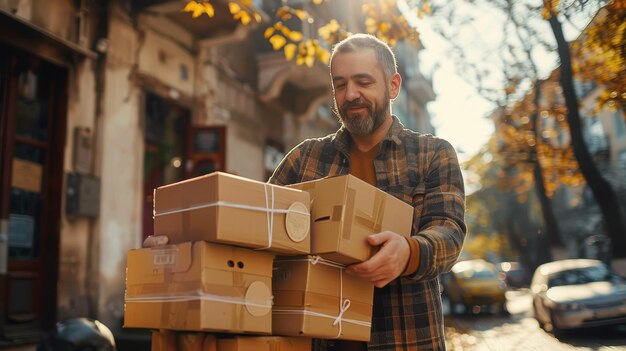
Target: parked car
{"type": "Point", "coordinates": [577, 293]}
{"type": "Point", "coordinates": [474, 283]}
{"type": "Point", "coordinates": [513, 274]}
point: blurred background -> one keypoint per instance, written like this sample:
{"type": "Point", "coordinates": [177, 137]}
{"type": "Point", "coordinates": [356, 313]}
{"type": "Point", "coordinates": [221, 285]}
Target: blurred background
{"type": "Point", "coordinates": [103, 101]}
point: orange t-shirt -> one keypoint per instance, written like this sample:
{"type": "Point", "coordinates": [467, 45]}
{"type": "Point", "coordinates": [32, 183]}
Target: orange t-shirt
{"type": "Point", "coordinates": [362, 167]}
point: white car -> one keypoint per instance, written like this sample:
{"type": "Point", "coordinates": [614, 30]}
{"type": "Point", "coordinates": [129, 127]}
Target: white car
{"type": "Point", "coordinates": [577, 293]}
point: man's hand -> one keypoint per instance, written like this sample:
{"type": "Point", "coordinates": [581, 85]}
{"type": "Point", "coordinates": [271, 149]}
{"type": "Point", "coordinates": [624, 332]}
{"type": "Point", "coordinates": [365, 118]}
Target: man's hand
{"type": "Point", "coordinates": [155, 240]}
{"type": "Point", "coordinates": [388, 263]}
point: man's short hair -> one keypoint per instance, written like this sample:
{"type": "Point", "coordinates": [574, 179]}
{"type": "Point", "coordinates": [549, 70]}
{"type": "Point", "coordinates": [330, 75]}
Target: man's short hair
{"type": "Point", "coordinates": [384, 55]}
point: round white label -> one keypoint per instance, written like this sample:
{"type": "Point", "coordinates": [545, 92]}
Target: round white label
{"type": "Point", "coordinates": [297, 222]}
{"type": "Point", "coordinates": [258, 299]}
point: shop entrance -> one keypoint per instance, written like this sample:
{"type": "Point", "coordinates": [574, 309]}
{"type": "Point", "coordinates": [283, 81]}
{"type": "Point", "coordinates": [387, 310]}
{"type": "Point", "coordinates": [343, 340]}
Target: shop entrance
{"type": "Point", "coordinates": [32, 133]}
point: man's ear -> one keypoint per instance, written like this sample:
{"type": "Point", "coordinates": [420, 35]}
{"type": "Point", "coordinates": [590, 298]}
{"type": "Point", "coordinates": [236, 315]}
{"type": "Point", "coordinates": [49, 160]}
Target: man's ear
{"type": "Point", "coordinates": [394, 86]}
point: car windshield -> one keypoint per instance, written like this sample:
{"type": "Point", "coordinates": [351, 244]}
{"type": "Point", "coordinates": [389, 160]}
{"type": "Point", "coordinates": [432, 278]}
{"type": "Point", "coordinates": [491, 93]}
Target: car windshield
{"type": "Point", "coordinates": [580, 276]}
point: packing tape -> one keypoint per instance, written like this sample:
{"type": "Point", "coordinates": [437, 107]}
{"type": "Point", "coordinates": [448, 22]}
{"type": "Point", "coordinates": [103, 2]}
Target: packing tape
{"type": "Point", "coordinates": [268, 209]}
{"type": "Point", "coordinates": [197, 295]}
{"type": "Point", "coordinates": [320, 303]}
{"type": "Point", "coordinates": [323, 315]}
{"type": "Point", "coordinates": [348, 216]}
{"type": "Point", "coordinates": [374, 221]}
{"type": "Point", "coordinates": [344, 305]}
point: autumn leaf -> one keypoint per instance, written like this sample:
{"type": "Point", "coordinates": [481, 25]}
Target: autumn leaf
{"type": "Point", "coordinates": [197, 9]}
{"type": "Point", "coordinates": [295, 36]}
{"type": "Point", "coordinates": [284, 13]}
{"type": "Point", "coordinates": [301, 14]}
{"type": "Point", "coordinates": [190, 6]}
{"type": "Point", "coordinates": [290, 51]}
{"type": "Point", "coordinates": [309, 60]}
{"type": "Point", "coordinates": [268, 32]}
{"type": "Point", "coordinates": [234, 7]}
{"type": "Point", "coordinates": [322, 55]}
{"type": "Point", "coordinates": [208, 8]}
{"type": "Point", "coordinates": [277, 41]}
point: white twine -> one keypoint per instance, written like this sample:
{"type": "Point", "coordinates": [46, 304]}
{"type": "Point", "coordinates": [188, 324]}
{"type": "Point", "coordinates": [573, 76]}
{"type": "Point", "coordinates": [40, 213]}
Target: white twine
{"type": "Point", "coordinates": [268, 209]}
{"type": "Point", "coordinates": [199, 295]}
{"type": "Point", "coordinates": [322, 315]}
{"type": "Point", "coordinates": [270, 218]}
{"type": "Point", "coordinates": [343, 306]}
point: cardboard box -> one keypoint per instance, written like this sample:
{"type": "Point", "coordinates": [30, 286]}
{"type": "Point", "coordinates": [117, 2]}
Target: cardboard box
{"type": "Point", "coordinates": [199, 287]}
{"type": "Point", "coordinates": [169, 340]}
{"type": "Point", "coordinates": [345, 210]}
{"type": "Point", "coordinates": [263, 343]}
{"type": "Point", "coordinates": [309, 295]}
{"type": "Point", "coordinates": [228, 209]}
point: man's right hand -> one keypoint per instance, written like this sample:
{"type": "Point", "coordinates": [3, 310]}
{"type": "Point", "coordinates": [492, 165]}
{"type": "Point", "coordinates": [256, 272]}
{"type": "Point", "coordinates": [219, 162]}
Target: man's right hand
{"type": "Point", "coordinates": [156, 240]}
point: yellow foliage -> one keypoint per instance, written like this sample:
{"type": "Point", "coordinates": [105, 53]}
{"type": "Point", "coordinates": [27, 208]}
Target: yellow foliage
{"type": "Point", "coordinates": [322, 54]}
{"type": "Point", "coordinates": [301, 14]}
{"type": "Point", "coordinates": [290, 51]}
{"type": "Point", "coordinates": [549, 7]}
{"type": "Point", "coordinates": [599, 55]}
{"type": "Point", "coordinates": [244, 15]}
{"type": "Point", "coordinates": [277, 41]}
{"type": "Point", "coordinates": [384, 20]}
{"type": "Point", "coordinates": [332, 32]}
{"type": "Point", "coordinates": [268, 32]}
{"type": "Point", "coordinates": [197, 9]}
{"type": "Point", "coordinates": [295, 36]}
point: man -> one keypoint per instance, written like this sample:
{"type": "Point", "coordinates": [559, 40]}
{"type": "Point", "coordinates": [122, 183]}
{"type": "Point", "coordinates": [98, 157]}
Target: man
{"type": "Point", "coordinates": [419, 169]}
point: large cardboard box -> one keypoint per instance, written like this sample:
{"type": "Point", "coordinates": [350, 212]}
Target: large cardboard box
{"type": "Point", "coordinates": [169, 340]}
{"type": "Point", "coordinates": [316, 298]}
{"type": "Point", "coordinates": [228, 209]}
{"type": "Point", "coordinates": [345, 210]}
{"type": "Point", "coordinates": [263, 343]}
{"type": "Point", "coordinates": [199, 287]}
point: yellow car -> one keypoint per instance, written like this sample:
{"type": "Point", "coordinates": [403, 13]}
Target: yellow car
{"type": "Point", "coordinates": [475, 285]}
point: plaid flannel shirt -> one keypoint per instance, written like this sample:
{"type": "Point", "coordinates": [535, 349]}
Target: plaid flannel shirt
{"type": "Point", "coordinates": [423, 171]}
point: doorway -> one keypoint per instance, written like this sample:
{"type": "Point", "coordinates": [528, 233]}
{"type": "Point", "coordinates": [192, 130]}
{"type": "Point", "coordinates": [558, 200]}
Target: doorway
{"type": "Point", "coordinates": [166, 125]}
{"type": "Point", "coordinates": [32, 133]}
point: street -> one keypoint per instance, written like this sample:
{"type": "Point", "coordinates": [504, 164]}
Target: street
{"type": "Point", "coordinates": [520, 331]}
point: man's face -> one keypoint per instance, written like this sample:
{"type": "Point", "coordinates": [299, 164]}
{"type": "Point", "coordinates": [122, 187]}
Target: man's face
{"type": "Point", "coordinates": [361, 91]}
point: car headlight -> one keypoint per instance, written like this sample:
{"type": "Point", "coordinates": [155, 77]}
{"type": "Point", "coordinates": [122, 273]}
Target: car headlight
{"type": "Point", "coordinates": [570, 306]}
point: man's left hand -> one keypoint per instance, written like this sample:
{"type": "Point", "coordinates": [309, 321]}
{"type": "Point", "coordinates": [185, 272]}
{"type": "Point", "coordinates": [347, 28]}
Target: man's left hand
{"type": "Point", "coordinates": [388, 263]}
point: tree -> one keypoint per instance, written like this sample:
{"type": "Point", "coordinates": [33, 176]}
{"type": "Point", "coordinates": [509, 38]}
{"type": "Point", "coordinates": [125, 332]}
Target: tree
{"type": "Point", "coordinates": [512, 61]}
{"type": "Point", "coordinates": [382, 18]}
{"type": "Point", "coordinates": [523, 143]}
{"type": "Point", "coordinates": [600, 187]}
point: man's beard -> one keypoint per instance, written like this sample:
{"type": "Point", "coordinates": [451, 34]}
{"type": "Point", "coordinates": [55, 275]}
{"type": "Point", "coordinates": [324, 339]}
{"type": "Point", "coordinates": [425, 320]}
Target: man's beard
{"type": "Point", "coordinates": [363, 125]}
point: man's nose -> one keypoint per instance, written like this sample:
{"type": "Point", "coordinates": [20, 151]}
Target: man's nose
{"type": "Point", "coordinates": [352, 92]}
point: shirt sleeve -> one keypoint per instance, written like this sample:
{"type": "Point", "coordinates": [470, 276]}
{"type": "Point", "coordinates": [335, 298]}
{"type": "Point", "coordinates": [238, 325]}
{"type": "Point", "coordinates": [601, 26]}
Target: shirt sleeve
{"type": "Point", "coordinates": [288, 170]}
{"type": "Point", "coordinates": [441, 227]}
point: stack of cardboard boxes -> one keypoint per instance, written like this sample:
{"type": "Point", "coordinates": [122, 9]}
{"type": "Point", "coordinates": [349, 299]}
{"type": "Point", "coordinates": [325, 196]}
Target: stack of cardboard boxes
{"type": "Point", "coordinates": [246, 258]}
